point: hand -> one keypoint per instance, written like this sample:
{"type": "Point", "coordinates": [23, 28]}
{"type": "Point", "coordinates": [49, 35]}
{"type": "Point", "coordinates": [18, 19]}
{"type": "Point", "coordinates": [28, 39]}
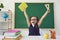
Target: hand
{"type": "Point", "coordinates": [47, 6]}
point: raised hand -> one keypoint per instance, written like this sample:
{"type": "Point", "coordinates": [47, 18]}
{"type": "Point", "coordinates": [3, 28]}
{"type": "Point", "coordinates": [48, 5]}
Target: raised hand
{"type": "Point", "coordinates": [47, 6]}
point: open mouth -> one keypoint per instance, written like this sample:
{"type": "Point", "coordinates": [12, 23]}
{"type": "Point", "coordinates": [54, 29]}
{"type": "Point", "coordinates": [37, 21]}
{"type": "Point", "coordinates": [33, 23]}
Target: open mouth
{"type": "Point", "coordinates": [32, 22]}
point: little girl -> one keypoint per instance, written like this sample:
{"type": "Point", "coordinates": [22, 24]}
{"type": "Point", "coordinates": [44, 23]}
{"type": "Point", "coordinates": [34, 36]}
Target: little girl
{"type": "Point", "coordinates": [34, 22]}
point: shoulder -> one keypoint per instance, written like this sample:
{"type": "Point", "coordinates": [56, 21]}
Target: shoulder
{"type": "Point", "coordinates": [29, 25]}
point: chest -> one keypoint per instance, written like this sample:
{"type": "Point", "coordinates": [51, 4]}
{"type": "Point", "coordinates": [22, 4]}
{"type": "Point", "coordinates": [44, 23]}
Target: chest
{"type": "Point", "coordinates": [34, 27]}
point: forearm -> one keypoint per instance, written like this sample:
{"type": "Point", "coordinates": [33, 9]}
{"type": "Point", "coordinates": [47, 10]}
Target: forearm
{"type": "Point", "coordinates": [27, 19]}
{"type": "Point", "coordinates": [40, 21]}
{"type": "Point", "coordinates": [44, 15]}
{"type": "Point", "coordinates": [26, 15]}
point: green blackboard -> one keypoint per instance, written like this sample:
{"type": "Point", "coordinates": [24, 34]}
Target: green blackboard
{"type": "Point", "coordinates": [34, 9]}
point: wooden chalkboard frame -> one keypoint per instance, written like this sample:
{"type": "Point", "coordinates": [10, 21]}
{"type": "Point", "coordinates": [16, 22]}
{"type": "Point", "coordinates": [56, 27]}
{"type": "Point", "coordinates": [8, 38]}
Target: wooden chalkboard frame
{"type": "Point", "coordinates": [32, 2]}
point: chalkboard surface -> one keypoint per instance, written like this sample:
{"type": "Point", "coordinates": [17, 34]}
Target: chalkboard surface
{"type": "Point", "coordinates": [34, 9]}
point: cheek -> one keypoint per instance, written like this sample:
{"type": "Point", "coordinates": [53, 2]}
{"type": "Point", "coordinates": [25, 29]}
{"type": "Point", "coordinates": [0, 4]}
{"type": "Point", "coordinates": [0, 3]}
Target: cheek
{"type": "Point", "coordinates": [31, 21]}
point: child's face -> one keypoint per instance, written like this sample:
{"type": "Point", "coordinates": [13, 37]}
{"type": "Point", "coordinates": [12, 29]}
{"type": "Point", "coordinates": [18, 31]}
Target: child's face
{"type": "Point", "coordinates": [33, 20]}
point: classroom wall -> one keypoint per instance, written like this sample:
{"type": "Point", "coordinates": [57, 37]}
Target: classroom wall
{"type": "Point", "coordinates": [9, 4]}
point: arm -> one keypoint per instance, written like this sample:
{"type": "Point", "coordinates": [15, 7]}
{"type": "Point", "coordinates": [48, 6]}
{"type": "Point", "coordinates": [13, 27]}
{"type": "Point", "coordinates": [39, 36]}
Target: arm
{"type": "Point", "coordinates": [48, 10]}
{"type": "Point", "coordinates": [27, 19]}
